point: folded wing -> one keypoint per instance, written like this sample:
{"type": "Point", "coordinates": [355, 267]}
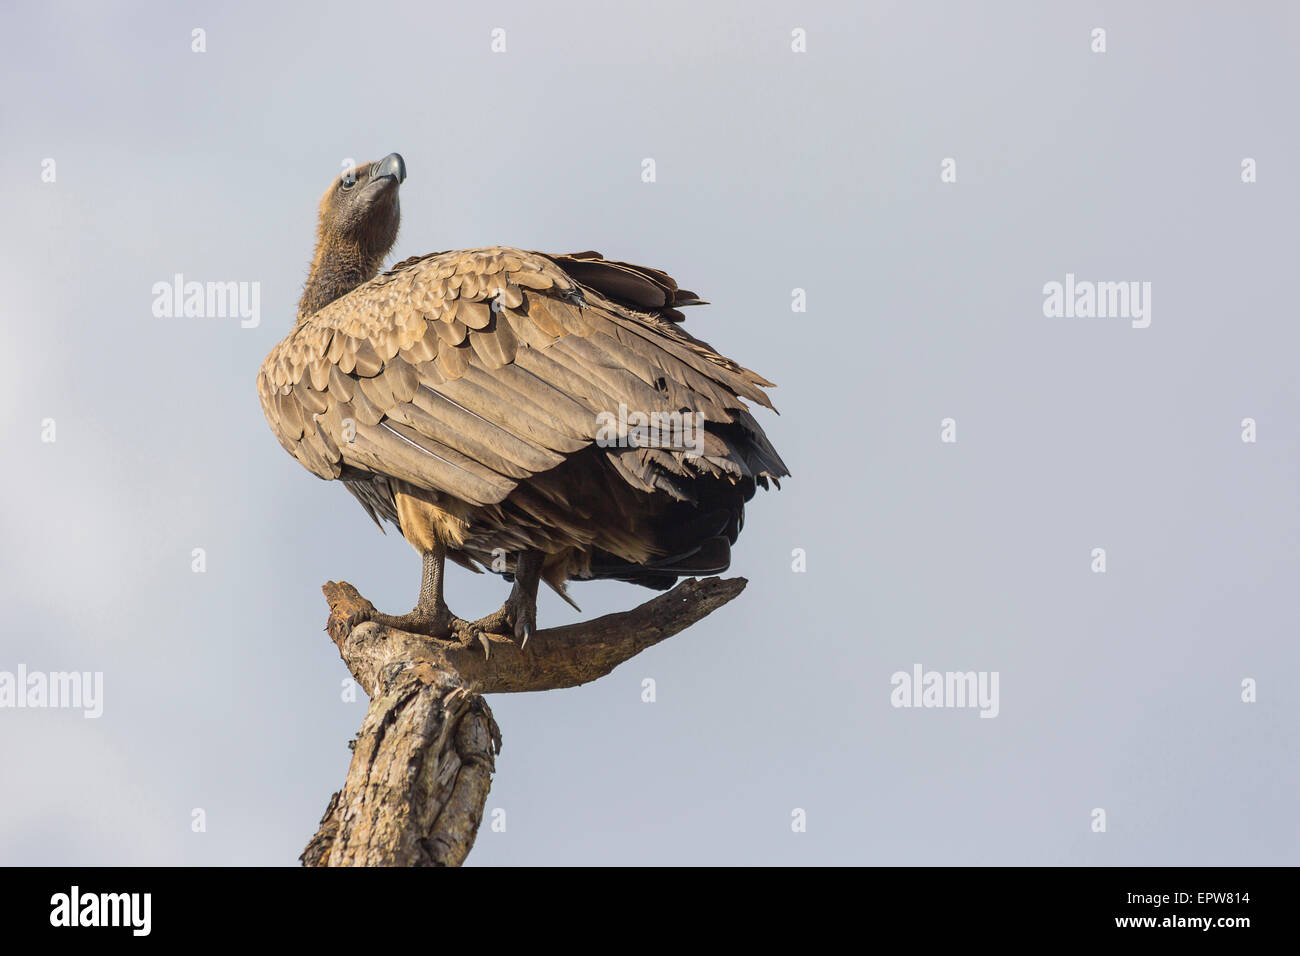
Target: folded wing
{"type": "Point", "coordinates": [467, 373]}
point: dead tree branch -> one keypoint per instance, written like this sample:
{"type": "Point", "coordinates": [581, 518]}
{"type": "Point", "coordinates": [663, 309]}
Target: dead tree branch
{"type": "Point", "coordinates": [423, 760]}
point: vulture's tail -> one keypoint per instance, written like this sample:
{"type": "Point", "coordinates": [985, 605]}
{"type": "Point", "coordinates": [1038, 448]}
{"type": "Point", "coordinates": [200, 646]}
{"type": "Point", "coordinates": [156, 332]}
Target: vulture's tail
{"type": "Point", "coordinates": [710, 556]}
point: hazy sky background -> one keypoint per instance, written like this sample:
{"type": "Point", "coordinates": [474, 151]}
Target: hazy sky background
{"type": "Point", "coordinates": [776, 170]}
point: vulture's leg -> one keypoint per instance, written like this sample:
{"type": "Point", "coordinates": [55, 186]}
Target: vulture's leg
{"type": "Point", "coordinates": [518, 615]}
{"type": "Point", "coordinates": [431, 616]}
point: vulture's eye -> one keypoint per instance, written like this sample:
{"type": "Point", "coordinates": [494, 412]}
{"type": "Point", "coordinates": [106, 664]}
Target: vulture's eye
{"type": "Point", "coordinates": [349, 180]}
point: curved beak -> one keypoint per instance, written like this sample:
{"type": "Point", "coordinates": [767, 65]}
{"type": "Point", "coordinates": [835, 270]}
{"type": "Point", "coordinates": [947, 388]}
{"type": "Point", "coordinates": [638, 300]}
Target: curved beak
{"type": "Point", "coordinates": [391, 166]}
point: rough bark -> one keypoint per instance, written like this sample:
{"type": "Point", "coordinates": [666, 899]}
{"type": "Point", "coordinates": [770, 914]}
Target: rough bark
{"type": "Point", "coordinates": [423, 760]}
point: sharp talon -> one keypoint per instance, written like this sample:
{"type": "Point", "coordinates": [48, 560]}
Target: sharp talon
{"type": "Point", "coordinates": [528, 632]}
{"type": "Point", "coordinates": [452, 697]}
{"type": "Point", "coordinates": [357, 618]}
{"type": "Point", "coordinates": [487, 648]}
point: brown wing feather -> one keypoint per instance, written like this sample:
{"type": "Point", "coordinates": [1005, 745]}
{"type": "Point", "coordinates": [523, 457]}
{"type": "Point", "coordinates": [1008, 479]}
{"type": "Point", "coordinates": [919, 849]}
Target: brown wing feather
{"type": "Point", "coordinates": [466, 373]}
{"type": "Point", "coordinates": [640, 287]}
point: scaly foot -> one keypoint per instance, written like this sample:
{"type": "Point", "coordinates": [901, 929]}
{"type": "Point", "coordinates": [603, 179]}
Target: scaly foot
{"type": "Point", "coordinates": [443, 626]}
{"type": "Point", "coordinates": [517, 617]}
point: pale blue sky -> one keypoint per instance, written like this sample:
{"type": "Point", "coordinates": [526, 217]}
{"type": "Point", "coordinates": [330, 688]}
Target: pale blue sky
{"type": "Point", "coordinates": [776, 170]}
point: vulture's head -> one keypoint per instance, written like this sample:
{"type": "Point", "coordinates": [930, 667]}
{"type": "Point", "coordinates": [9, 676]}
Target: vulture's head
{"type": "Point", "coordinates": [361, 206]}
{"type": "Point", "coordinates": [359, 216]}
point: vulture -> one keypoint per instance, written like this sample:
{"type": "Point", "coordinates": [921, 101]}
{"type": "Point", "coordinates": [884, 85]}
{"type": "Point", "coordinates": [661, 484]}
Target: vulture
{"type": "Point", "coordinates": [545, 417]}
